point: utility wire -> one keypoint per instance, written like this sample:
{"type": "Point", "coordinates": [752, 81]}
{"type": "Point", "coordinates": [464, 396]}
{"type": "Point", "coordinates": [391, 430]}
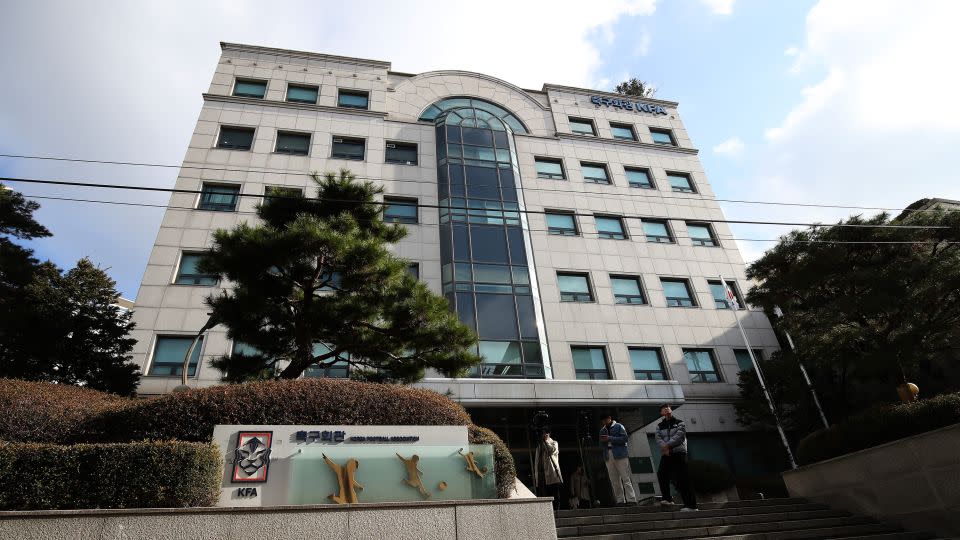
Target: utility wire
{"type": "Point", "coordinates": [580, 233]}
{"type": "Point", "coordinates": [450, 207]}
{"type": "Point", "coordinates": [642, 192]}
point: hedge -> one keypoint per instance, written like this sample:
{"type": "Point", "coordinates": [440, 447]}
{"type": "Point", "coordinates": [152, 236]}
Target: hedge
{"type": "Point", "coordinates": [708, 477]}
{"type": "Point", "coordinates": [47, 412]}
{"type": "Point", "coordinates": [503, 464]}
{"type": "Point", "coordinates": [879, 425]}
{"type": "Point", "coordinates": [162, 474]}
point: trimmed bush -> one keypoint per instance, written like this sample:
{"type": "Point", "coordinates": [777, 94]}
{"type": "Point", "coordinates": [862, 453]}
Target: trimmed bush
{"type": "Point", "coordinates": [49, 413]}
{"type": "Point", "coordinates": [708, 477]}
{"type": "Point", "coordinates": [504, 467]}
{"type": "Point", "coordinates": [165, 474]}
{"type": "Point", "coordinates": [191, 415]}
{"type": "Point", "coordinates": [879, 425]}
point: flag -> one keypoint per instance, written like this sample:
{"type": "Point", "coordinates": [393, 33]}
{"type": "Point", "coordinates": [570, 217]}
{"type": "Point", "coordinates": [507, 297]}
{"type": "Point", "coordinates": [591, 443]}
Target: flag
{"type": "Point", "coordinates": [731, 298]}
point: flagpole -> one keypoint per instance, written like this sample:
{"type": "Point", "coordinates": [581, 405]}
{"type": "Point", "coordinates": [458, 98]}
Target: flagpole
{"type": "Point", "coordinates": [731, 301]}
{"type": "Point", "coordinates": [779, 313]}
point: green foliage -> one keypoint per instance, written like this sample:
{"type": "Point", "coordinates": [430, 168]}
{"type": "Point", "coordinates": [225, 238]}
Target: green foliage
{"type": "Point", "coordinates": [789, 393]}
{"type": "Point", "coordinates": [636, 88]}
{"type": "Point", "coordinates": [319, 272]}
{"type": "Point", "coordinates": [50, 413]}
{"type": "Point", "coordinates": [708, 477]}
{"type": "Point", "coordinates": [880, 425]}
{"type": "Point", "coordinates": [867, 315]}
{"type": "Point", "coordinates": [17, 264]}
{"type": "Point", "coordinates": [159, 474]}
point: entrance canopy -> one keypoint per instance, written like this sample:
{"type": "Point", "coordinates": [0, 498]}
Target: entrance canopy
{"type": "Point", "coordinates": [552, 393]}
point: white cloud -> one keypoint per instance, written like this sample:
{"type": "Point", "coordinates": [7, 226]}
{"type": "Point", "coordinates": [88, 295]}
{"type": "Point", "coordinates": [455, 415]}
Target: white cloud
{"type": "Point", "coordinates": [732, 147]}
{"type": "Point", "coordinates": [641, 47]}
{"type": "Point", "coordinates": [878, 126]}
{"type": "Point", "coordinates": [791, 51]}
{"type": "Point", "coordinates": [719, 7]}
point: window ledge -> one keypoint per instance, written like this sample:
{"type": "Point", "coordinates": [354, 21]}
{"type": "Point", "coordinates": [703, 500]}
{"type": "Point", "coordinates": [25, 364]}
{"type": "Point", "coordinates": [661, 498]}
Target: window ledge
{"type": "Point", "coordinates": [290, 105]}
{"type": "Point", "coordinates": [636, 144]}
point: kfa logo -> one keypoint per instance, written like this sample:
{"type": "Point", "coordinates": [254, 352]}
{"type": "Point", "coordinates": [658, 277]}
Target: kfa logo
{"type": "Point", "coordinates": [247, 492]}
{"type": "Point", "coordinates": [251, 459]}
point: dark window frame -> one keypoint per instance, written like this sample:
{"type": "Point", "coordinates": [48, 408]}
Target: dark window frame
{"type": "Point", "coordinates": [623, 235]}
{"type": "Point", "coordinates": [676, 301]}
{"type": "Point", "coordinates": [249, 80]}
{"type": "Point", "coordinates": [606, 361]}
{"type": "Point", "coordinates": [545, 176]}
{"type": "Point", "coordinates": [663, 365]}
{"type": "Point", "coordinates": [650, 185]}
{"type": "Point", "coordinates": [580, 120]}
{"type": "Point", "coordinates": [219, 142]}
{"type": "Point", "coordinates": [606, 173]}
{"type": "Point", "coordinates": [620, 125]}
{"type": "Point", "coordinates": [276, 143]}
{"type": "Point", "coordinates": [757, 352]}
{"type": "Point", "coordinates": [558, 231]}
{"type": "Point", "coordinates": [670, 238]}
{"type": "Point", "coordinates": [689, 178]}
{"type": "Point", "coordinates": [733, 287]}
{"type": "Point", "coordinates": [217, 207]}
{"type": "Point", "coordinates": [338, 139]}
{"type": "Point", "coordinates": [176, 368]}
{"type": "Point", "coordinates": [663, 131]}
{"type": "Point", "coordinates": [577, 297]}
{"type": "Point", "coordinates": [198, 279]}
{"type": "Point", "coordinates": [354, 93]}
{"type": "Point", "coordinates": [390, 200]}
{"type": "Point", "coordinates": [413, 269]}
{"type": "Point", "coordinates": [302, 87]}
{"type": "Point", "coordinates": [631, 300]}
{"type": "Point", "coordinates": [696, 241]}
{"type": "Point", "coordinates": [700, 374]}
{"type": "Point", "coordinates": [408, 145]}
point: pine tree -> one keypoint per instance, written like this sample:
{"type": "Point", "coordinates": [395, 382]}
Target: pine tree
{"type": "Point", "coordinates": [315, 285]}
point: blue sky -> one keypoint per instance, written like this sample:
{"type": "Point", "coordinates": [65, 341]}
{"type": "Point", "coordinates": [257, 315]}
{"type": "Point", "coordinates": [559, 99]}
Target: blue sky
{"type": "Point", "coordinates": [831, 101]}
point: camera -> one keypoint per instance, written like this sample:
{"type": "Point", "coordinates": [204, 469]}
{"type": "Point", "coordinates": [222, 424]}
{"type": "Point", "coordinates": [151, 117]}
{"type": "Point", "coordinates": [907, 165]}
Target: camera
{"type": "Point", "coordinates": [540, 422]}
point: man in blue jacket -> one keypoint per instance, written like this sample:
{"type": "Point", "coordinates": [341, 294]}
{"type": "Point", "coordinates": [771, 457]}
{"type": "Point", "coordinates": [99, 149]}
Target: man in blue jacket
{"type": "Point", "coordinates": [613, 441]}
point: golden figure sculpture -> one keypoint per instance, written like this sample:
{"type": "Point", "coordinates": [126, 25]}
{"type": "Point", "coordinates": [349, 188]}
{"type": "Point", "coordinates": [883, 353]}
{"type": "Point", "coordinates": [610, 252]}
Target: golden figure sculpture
{"type": "Point", "coordinates": [472, 464]}
{"type": "Point", "coordinates": [346, 480]}
{"type": "Point", "coordinates": [413, 474]}
{"type": "Point", "coordinates": [442, 486]}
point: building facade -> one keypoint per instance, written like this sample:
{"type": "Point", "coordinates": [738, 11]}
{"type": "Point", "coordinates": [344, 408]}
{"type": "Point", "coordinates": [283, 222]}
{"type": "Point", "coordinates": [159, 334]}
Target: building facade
{"type": "Point", "coordinates": [573, 229]}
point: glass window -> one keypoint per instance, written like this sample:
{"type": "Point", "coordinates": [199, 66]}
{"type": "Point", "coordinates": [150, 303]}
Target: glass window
{"type": "Point", "coordinates": [662, 136]}
{"type": "Point", "coordinates": [610, 227]}
{"type": "Point", "coordinates": [677, 292]}
{"type": "Point", "coordinates": [433, 111]}
{"type": "Point", "coordinates": [743, 358]}
{"type": "Point", "coordinates": [234, 138]}
{"type": "Point", "coordinates": [680, 182]}
{"type": "Point", "coordinates": [719, 293]}
{"type": "Point", "coordinates": [626, 290]}
{"type": "Point", "coordinates": [590, 363]}
{"type": "Point", "coordinates": [353, 99]}
{"type": "Point", "coordinates": [638, 177]}
{"type": "Point", "coordinates": [623, 131]}
{"type": "Point", "coordinates": [414, 270]}
{"type": "Point", "coordinates": [219, 197]}
{"type": "Point", "coordinates": [595, 172]}
{"type": "Point", "coordinates": [701, 366]}
{"type": "Point", "coordinates": [582, 126]}
{"type": "Point", "coordinates": [574, 288]}
{"type": "Point", "coordinates": [402, 153]}
{"type": "Point", "coordinates": [188, 274]}
{"type": "Point", "coordinates": [701, 234]}
{"type": "Point", "coordinates": [251, 89]}
{"type": "Point", "coordinates": [293, 143]}
{"type": "Point", "coordinates": [302, 94]}
{"type": "Point", "coordinates": [347, 148]}
{"type": "Point", "coordinates": [340, 369]}
{"type": "Point", "coordinates": [656, 231]}
{"type": "Point", "coordinates": [168, 356]}
{"type": "Point", "coordinates": [396, 210]}
{"type": "Point", "coordinates": [243, 349]}
{"type": "Point", "coordinates": [549, 168]}
{"type": "Point", "coordinates": [562, 224]}
{"type": "Point", "coordinates": [496, 316]}
{"type": "Point", "coordinates": [647, 364]}
{"type": "Point", "coordinates": [500, 352]}
{"type": "Point", "coordinates": [489, 244]}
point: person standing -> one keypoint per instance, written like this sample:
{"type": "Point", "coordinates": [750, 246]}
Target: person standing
{"type": "Point", "coordinates": [546, 469]}
{"type": "Point", "coordinates": [613, 441]}
{"type": "Point", "coordinates": [672, 438]}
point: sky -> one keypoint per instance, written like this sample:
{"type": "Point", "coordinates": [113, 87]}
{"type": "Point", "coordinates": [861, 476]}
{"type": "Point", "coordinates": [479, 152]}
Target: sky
{"type": "Point", "coordinates": [838, 102]}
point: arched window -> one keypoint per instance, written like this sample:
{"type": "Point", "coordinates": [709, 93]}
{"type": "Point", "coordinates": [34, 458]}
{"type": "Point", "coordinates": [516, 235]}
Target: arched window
{"type": "Point", "coordinates": [484, 114]}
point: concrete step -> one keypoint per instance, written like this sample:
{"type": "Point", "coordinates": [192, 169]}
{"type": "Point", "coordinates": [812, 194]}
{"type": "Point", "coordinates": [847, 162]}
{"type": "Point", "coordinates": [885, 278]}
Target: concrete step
{"type": "Point", "coordinates": [785, 530]}
{"type": "Point", "coordinates": [657, 508]}
{"type": "Point", "coordinates": [675, 514]}
{"type": "Point", "coordinates": [692, 519]}
{"type": "Point", "coordinates": [894, 536]}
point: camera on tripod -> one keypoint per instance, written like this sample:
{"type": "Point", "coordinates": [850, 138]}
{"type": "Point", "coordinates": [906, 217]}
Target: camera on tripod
{"type": "Point", "coordinates": [540, 423]}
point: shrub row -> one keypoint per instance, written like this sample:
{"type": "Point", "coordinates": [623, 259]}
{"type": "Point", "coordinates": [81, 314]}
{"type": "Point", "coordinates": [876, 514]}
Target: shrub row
{"type": "Point", "coordinates": [879, 425]}
{"type": "Point", "coordinates": [160, 474]}
{"type": "Point", "coordinates": [50, 413]}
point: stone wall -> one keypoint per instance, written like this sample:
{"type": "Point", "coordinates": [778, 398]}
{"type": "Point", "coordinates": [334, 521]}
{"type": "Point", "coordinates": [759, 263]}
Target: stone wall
{"type": "Point", "coordinates": [915, 481]}
{"type": "Point", "coordinates": [461, 520]}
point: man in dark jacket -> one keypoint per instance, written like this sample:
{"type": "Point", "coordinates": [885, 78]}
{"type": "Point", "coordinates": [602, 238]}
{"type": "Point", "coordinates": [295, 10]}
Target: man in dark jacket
{"type": "Point", "coordinates": [672, 439]}
{"type": "Point", "coordinates": [613, 442]}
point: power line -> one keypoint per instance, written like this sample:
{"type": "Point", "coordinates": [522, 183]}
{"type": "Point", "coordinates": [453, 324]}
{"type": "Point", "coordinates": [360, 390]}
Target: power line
{"type": "Point", "coordinates": [645, 192]}
{"type": "Point", "coordinates": [580, 233]}
{"type": "Point", "coordinates": [450, 207]}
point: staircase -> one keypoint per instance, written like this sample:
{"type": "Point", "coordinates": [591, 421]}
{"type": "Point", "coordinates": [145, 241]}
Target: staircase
{"type": "Point", "coordinates": [769, 519]}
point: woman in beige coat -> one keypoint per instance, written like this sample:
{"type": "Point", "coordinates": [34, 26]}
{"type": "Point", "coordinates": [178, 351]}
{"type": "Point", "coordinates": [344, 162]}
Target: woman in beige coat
{"type": "Point", "coordinates": [546, 469]}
